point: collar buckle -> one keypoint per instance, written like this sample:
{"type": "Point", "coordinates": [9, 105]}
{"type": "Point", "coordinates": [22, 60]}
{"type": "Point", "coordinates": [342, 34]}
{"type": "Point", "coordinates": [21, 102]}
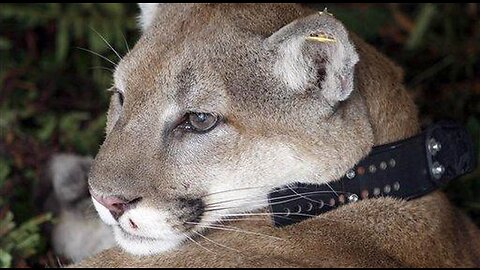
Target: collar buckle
{"type": "Point", "coordinates": [449, 150]}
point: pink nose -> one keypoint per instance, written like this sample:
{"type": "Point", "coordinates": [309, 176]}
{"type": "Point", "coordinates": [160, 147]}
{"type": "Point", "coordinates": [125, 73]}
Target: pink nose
{"type": "Point", "coordinates": [115, 204]}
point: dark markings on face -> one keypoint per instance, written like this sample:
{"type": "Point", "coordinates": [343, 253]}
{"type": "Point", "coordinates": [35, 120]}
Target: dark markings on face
{"type": "Point", "coordinates": [185, 80]}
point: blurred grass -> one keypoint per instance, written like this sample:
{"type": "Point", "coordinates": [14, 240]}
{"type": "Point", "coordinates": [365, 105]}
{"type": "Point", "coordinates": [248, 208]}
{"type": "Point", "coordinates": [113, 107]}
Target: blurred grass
{"type": "Point", "coordinates": [53, 98]}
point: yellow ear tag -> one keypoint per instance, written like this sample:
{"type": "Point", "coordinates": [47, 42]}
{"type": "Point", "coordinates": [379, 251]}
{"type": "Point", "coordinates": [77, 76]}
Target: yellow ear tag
{"type": "Point", "coordinates": [320, 38]}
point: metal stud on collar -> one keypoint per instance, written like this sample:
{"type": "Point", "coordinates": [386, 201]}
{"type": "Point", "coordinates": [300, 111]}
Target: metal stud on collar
{"type": "Point", "coordinates": [350, 174]}
{"type": "Point", "coordinates": [434, 146]}
{"type": "Point", "coordinates": [353, 198]}
{"type": "Point", "coordinates": [437, 170]}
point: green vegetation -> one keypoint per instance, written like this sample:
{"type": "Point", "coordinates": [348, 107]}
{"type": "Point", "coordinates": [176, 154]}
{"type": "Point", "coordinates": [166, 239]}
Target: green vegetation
{"type": "Point", "coordinates": [53, 98]}
{"type": "Point", "coordinates": [19, 241]}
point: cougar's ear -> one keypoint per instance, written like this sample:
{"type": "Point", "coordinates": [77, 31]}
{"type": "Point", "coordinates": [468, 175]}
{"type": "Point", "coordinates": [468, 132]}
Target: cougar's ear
{"type": "Point", "coordinates": [147, 14]}
{"type": "Point", "coordinates": [315, 51]}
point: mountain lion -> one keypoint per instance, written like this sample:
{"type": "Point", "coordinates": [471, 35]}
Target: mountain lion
{"type": "Point", "coordinates": [217, 104]}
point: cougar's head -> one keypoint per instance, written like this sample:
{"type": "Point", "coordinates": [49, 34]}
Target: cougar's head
{"type": "Point", "coordinates": [215, 106]}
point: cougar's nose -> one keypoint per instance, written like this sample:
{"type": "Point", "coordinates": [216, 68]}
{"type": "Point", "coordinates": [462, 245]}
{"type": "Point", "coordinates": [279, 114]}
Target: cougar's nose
{"type": "Point", "coordinates": [116, 204]}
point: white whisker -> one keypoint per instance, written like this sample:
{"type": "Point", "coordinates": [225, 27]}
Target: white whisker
{"type": "Point", "coordinates": [104, 68]}
{"type": "Point", "coordinates": [281, 215]}
{"type": "Point", "coordinates": [306, 198]}
{"type": "Point", "coordinates": [60, 264]}
{"type": "Point", "coordinates": [126, 43]}
{"type": "Point", "coordinates": [332, 189]}
{"type": "Point", "coordinates": [108, 44]}
{"type": "Point", "coordinates": [237, 219]}
{"type": "Point", "coordinates": [234, 200]}
{"type": "Point", "coordinates": [230, 228]}
{"type": "Point", "coordinates": [278, 200]}
{"type": "Point", "coordinates": [198, 244]}
{"type": "Point", "coordinates": [211, 241]}
{"type": "Point", "coordinates": [237, 189]}
{"type": "Point", "coordinates": [97, 54]}
{"type": "Point", "coordinates": [238, 199]}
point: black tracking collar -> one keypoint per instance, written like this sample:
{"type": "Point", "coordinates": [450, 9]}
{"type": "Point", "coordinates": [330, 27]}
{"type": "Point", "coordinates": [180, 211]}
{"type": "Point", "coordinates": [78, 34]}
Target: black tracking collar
{"type": "Point", "coordinates": [406, 169]}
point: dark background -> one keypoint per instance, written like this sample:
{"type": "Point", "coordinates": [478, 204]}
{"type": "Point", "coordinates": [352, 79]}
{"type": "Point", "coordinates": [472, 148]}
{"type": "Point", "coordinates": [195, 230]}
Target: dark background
{"type": "Point", "coordinates": [53, 92]}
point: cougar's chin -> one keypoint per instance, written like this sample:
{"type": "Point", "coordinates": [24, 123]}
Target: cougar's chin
{"type": "Point", "coordinates": [140, 245]}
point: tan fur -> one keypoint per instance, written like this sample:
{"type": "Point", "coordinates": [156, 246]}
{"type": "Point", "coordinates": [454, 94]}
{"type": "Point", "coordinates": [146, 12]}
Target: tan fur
{"type": "Point", "coordinates": [210, 58]}
{"type": "Point", "coordinates": [373, 233]}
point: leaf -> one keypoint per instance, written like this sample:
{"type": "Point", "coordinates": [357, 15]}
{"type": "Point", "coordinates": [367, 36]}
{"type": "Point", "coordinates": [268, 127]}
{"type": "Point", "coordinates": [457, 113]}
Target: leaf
{"type": "Point", "coordinates": [5, 259]}
{"type": "Point", "coordinates": [62, 39]}
{"type": "Point", "coordinates": [26, 247]}
{"type": "Point", "coordinates": [47, 124]}
{"type": "Point", "coordinates": [6, 225]}
{"type": "Point", "coordinates": [422, 23]}
{"type": "Point", "coordinates": [24, 239]}
{"type": "Point", "coordinates": [4, 171]}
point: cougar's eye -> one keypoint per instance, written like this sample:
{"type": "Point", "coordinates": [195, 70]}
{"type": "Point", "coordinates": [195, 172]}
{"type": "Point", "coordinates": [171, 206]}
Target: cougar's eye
{"type": "Point", "coordinates": [118, 93]}
{"type": "Point", "coordinates": [200, 122]}
{"type": "Point", "coordinates": [120, 97]}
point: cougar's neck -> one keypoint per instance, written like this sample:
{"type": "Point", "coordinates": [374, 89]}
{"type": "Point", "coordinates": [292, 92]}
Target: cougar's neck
{"type": "Point", "coordinates": [393, 113]}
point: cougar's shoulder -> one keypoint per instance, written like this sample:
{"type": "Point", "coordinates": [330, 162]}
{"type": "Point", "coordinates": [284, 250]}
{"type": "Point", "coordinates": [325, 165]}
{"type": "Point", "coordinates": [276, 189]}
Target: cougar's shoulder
{"type": "Point", "coordinates": [383, 232]}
